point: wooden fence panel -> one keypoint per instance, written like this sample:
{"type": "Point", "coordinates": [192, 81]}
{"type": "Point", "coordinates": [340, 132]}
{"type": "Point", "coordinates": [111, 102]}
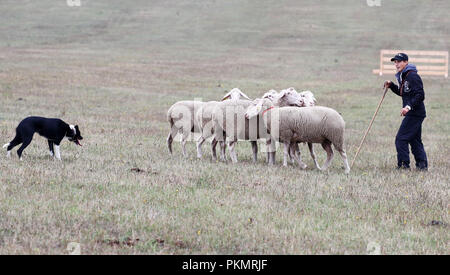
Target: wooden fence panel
{"type": "Point", "coordinates": [428, 62]}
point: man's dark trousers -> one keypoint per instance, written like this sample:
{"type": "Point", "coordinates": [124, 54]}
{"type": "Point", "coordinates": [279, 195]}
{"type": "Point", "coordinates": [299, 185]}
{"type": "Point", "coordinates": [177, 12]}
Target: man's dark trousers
{"type": "Point", "coordinates": [410, 132]}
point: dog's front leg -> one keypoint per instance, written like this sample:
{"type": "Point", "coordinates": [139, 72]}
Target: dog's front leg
{"type": "Point", "coordinates": [57, 152]}
{"type": "Point", "coordinates": [50, 146]}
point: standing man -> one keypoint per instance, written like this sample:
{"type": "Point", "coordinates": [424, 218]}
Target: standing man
{"type": "Point", "coordinates": [410, 88]}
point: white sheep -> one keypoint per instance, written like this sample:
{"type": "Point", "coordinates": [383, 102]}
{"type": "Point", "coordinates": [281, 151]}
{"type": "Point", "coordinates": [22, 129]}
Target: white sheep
{"type": "Point", "coordinates": [273, 96]}
{"type": "Point", "coordinates": [294, 152]}
{"type": "Point", "coordinates": [308, 99]}
{"type": "Point", "coordinates": [203, 118]}
{"type": "Point", "coordinates": [309, 124]}
{"type": "Point", "coordinates": [229, 122]}
{"type": "Point", "coordinates": [181, 117]}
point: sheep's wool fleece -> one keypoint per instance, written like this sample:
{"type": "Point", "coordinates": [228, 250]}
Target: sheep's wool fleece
{"type": "Point", "coordinates": [312, 124]}
{"type": "Point", "coordinates": [184, 111]}
{"type": "Point", "coordinates": [235, 108]}
{"type": "Point", "coordinates": [204, 114]}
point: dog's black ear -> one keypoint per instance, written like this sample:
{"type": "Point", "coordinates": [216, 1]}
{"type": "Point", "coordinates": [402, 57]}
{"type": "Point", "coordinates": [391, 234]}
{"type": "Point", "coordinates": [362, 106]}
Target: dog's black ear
{"type": "Point", "coordinates": [76, 127]}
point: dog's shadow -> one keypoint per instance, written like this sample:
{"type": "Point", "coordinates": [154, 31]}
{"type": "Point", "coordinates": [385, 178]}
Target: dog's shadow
{"type": "Point", "coordinates": [48, 159]}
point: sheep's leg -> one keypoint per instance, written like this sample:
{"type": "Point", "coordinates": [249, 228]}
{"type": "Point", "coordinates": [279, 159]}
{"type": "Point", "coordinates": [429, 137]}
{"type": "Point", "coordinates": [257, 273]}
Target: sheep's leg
{"type": "Point", "coordinates": [231, 148]}
{"type": "Point", "coordinates": [272, 157]}
{"type": "Point", "coordinates": [255, 151]}
{"type": "Point", "coordinates": [223, 146]}
{"type": "Point", "coordinates": [184, 137]}
{"type": "Point", "coordinates": [213, 149]}
{"type": "Point", "coordinates": [344, 159]}
{"type": "Point", "coordinates": [293, 150]}
{"type": "Point", "coordinates": [173, 132]}
{"type": "Point", "coordinates": [327, 147]}
{"type": "Point", "coordinates": [286, 153]}
{"type": "Point", "coordinates": [291, 154]}
{"type": "Point", "coordinates": [271, 149]}
{"type": "Point", "coordinates": [296, 155]}
{"type": "Point", "coordinates": [313, 155]}
{"type": "Point", "coordinates": [199, 146]}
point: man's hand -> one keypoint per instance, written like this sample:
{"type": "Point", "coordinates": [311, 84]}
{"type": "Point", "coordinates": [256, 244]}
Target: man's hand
{"type": "Point", "coordinates": [404, 111]}
{"type": "Point", "coordinates": [387, 84]}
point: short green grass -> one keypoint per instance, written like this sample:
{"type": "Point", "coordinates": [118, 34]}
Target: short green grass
{"type": "Point", "coordinates": [115, 67]}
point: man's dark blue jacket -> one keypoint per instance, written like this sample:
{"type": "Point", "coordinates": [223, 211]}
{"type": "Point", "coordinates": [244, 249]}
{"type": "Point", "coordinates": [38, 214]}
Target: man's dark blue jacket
{"type": "Point", "coordinates": [412, 91]}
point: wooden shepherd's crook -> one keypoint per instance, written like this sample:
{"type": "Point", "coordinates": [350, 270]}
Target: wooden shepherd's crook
{"type": "Point", "coordinates": [370, 125]}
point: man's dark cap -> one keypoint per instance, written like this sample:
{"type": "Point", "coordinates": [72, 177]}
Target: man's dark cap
{"type": "Point", "coordinates": [400, 57]}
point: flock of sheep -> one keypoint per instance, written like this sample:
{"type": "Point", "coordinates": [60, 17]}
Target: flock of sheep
{"type": "Point", "coordinates": [287, 117]}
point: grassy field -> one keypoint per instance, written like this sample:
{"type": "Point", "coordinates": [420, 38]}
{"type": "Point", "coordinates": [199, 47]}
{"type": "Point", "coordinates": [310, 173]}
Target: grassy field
{"type": "Point", "coordinates": [115, 67]}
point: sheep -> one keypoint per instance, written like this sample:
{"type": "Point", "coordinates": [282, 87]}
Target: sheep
{"type": "Point", "coordinates": [181, 117]}
{"type": "Point", "coordinates": [203, 119]}
{"type": "Point", "coordinates": [308, 99]}
{"type": "Point", "coordinates": [309, 124]}
{"type": "Point", "coordinates": [273, 95]}
{"type": "Point", "coordinates": [294, 152]}
{"type": "Point", "coordinates": [229, 121]}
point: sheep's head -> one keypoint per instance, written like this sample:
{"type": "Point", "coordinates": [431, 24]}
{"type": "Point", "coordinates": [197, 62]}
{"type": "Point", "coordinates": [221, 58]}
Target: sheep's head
{"type": "Point", "coordinates": [271, 95]}
{"type": "Point", "coordinates": [308, 98]}
{"type": "Point", "coordinates": [235, 93]}
{"type": "Point", "coordinates": [289, 97]}
{"type": "Point", "coordinates": [254, 109]}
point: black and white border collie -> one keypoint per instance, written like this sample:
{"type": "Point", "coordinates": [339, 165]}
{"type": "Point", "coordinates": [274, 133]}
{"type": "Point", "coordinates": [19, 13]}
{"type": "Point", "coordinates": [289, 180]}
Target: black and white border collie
{"type": "Point", "coordinates": [54, 129]}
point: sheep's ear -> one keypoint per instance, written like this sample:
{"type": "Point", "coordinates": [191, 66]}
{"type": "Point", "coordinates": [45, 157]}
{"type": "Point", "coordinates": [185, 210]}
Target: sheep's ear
{"type": "Point", "coordinates": [291, 89]}
{"type": "Point", "coordinates": [226, 97]}
{"type": "Point", "coordinates": [244, 95]}
{"type": "Point", "coordinates": [272, 91]}
{"type": "Point", "coordinates": [283, 93]}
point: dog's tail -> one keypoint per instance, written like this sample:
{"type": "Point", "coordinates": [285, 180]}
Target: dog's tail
{"type": "Point", "coordinates": [6, 145]}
